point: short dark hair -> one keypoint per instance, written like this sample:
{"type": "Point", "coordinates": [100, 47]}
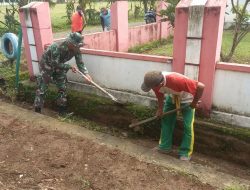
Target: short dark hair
{"type": "Point", "coordinates": [79, 8]}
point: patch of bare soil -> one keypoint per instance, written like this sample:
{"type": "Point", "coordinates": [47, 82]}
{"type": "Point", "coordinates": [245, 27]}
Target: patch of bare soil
{"type": "Point", "coordinates": [35, 158]}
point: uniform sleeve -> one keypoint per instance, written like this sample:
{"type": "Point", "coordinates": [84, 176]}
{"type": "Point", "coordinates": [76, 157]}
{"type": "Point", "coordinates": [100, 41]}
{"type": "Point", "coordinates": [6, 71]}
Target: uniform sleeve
{"type": "Point", "coordinates": [80, 64]}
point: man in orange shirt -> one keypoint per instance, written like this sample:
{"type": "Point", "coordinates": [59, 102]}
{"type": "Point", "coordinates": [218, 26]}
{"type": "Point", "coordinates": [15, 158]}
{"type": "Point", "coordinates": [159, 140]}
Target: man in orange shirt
{"type": "Point", "coordinates": [78, 20]}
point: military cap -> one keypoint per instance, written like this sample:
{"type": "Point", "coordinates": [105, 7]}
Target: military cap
{"type": "Point", "coordinates": [75, 38]}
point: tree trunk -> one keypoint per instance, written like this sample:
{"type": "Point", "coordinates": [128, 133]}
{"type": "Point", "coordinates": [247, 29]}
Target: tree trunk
{"type": "Point", "coordinates": [239, 21]}
{"type": "Point", "coordinates": [145, 5]}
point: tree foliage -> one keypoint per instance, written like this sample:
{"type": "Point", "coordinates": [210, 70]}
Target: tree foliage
{"type": "Point", "coordinates": [241, 27]}
{"type": "Point", "coordinates": [170, 11]}
{"type": "Point", "coordinates": [148, 4]}
{"type": "Point", "coordinates": [70, 8]}
{"type": "Point", "coordinates": [11, 21]}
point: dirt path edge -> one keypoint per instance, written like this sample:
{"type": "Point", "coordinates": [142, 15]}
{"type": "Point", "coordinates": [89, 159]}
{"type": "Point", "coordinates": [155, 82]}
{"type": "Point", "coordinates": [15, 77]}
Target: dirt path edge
{"type": "Point", "coordinates": [202, 173]}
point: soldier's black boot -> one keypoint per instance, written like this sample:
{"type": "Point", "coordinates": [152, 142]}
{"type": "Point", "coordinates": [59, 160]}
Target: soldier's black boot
{"type": "Point", "coordinates": [2, 82]}
{"type": "Point", "coordinates": [62, 110]}
{"type": "Point", "coordinates": [38, 110]}
{"type": "Point", "coordinates": [38, 102]}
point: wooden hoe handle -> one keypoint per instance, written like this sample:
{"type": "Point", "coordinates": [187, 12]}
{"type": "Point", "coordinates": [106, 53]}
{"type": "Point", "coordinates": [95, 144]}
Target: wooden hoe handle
{"type": "Point", "coordinates": [156, 117]}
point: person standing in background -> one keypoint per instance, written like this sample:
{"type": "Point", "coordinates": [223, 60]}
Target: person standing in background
{"type": "Point", "coordinates": [105, 19]}
{"type": "Point", "coordinates": [78, 21]}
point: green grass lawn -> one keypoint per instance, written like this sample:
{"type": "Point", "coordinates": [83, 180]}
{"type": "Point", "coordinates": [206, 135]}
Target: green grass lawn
{"type": "Point", "coordinates": [165, 48]}
{"type": "Point", "coordinates": [162, 47]}
{"type": "Point", "coordinates": [242, 53]}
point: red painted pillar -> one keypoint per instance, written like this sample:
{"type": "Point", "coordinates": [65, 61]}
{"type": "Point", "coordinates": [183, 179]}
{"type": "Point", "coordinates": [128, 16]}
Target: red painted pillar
{"type": "Point", "coordinates": [37, 32]}
{"type": "Point", "coordinates": [119, 22]}
{"type": "Point", "coordinates": [180, 34]}
{"type": "Point", "coordinates": [210, 48]}
{"type": "Point", "coordinates": [197, 42]}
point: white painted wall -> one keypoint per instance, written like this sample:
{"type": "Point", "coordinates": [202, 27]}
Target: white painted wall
{"type": "Point", "coordinates": [231, 88]}
{"type": "Point", "coordinates": [118, 73]}
{"type": "Point", "coordinates": [232, 91]}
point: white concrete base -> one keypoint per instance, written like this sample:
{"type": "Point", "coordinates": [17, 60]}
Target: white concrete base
{"type": "Point", "coordinates": [120, 95]}
{"type": "Point", "coordinates": [232, 119]}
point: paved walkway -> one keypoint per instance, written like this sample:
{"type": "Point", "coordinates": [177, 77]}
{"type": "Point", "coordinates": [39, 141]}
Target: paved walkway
{"type": "Point", "coordinates": [203, 173]}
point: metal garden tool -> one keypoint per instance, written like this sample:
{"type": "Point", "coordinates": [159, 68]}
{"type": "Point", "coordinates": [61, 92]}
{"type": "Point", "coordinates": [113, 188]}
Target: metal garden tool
{"type": "Point", "coordinates": [156, 117]}
{"type": "Point", "coordinates": [100, 88]}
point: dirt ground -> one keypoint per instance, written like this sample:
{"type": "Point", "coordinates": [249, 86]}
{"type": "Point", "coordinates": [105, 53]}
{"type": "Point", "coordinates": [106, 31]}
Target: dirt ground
{"type": "Point", "coordinates": [37, 158]}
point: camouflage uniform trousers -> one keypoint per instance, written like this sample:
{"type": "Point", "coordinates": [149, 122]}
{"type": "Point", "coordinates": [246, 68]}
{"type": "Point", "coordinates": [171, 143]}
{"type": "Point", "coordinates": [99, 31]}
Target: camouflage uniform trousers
{"type": "Point", "coordinates": [47, 76]}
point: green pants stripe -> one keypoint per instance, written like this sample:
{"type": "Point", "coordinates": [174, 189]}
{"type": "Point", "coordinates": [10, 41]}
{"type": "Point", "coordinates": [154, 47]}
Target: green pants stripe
{"type": "Point", "coordinates": [168, 125]}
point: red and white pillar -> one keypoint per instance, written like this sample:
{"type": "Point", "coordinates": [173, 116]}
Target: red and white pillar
{"type": "Point", "coordinates": [211, 47]}
{"type": "Point", "coordinates": [37, 32]}
{"type": "Point", "coordinates": [197, 42]}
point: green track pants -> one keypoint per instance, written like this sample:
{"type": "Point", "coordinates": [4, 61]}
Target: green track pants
{"type": "Point", "coordinates": [168, 124]}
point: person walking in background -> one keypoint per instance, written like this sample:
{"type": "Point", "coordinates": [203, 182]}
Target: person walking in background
{"type": "Point", "coordinates": [78, 21]}
{"type": "Point", "coordinates": [182, 91]}
{"type": "Point", "coordinates": [105, 19]}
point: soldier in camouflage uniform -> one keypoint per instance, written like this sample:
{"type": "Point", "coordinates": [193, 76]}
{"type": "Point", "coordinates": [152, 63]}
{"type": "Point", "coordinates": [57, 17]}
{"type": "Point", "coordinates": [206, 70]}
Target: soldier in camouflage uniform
{"type": "Point", "coordinates": [53, 68]}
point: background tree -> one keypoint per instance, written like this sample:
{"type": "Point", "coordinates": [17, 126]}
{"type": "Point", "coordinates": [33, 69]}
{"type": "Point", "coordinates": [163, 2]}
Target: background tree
{"type": "Point", "coordinates": [11, 21]}
{"type": "Point", "coordinates": [84, 3]}
{"type": "Point", "coordinates": [70, 8]}
{"type": "Point", "coordinates": [148, 4]}
{"type": "Point", "coordinates": [170, 11]}
{"type": "Point", "coordinates": [241, 27]}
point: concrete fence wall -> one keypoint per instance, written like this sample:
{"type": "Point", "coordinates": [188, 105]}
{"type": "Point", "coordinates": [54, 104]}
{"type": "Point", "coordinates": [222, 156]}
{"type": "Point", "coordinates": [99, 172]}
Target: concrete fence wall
{"type": "Point", "coordinates": [232, 89]}
{"type": "Point", "coordinates": [146, 33]}
{"type": "Point", "coordinates": [136, 35]}
{"type": "Point", "coordinates": [197, 45]}
{"type": "Point", "coordinates": [120, 71]}
{"type": "Point", "coordinates": [101, 41]}
{"type": "Point", "coordinates": [125, 72]}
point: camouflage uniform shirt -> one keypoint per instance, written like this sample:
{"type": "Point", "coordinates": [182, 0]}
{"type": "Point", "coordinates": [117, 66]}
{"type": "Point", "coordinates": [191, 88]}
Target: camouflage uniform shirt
{"type": "Point", "coordinates": [56, 55]}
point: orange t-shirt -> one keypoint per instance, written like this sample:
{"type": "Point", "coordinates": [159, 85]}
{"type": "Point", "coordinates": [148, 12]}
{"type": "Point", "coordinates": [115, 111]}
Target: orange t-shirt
{"type": "Point", "coordinates": [76, 22]}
